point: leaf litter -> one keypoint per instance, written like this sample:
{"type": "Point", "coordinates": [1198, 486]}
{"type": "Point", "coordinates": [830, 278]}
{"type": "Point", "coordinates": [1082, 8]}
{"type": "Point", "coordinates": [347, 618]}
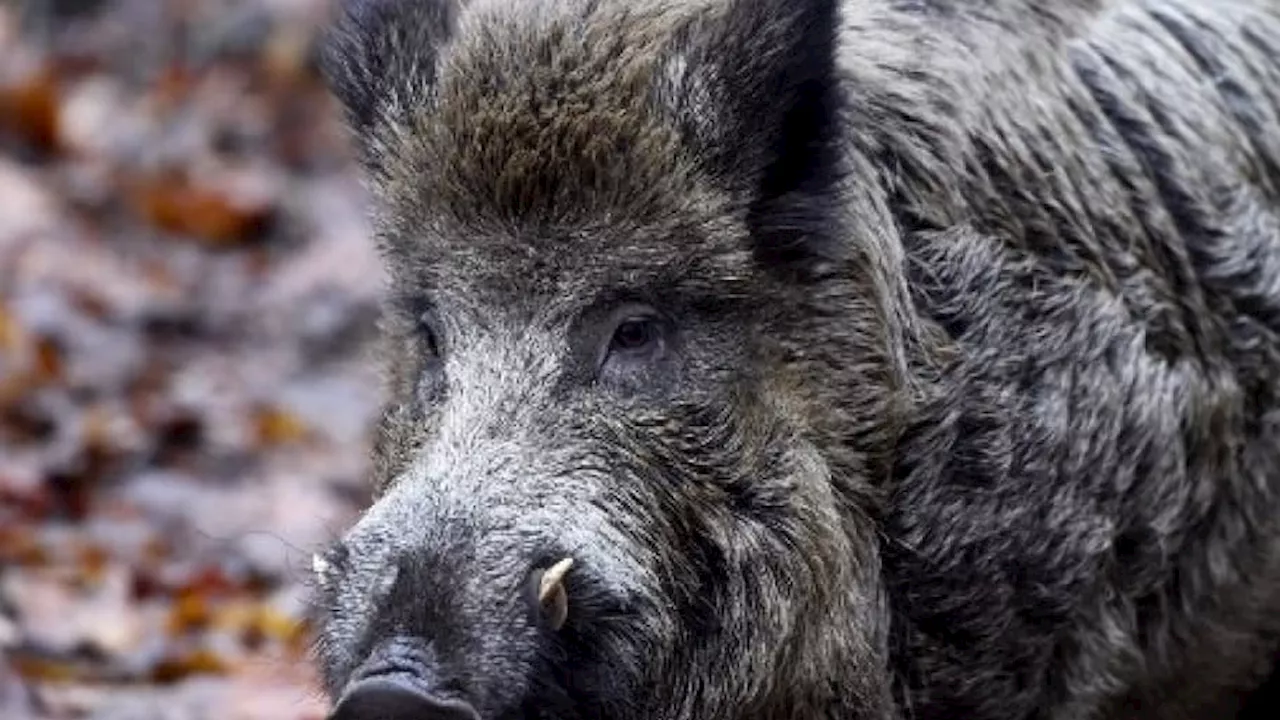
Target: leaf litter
{"type": "Point", "coordinates": [186, 296]}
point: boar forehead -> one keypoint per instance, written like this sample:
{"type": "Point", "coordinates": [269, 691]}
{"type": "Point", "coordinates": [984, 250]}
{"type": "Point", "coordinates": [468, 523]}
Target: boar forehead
{"type": "Point", "coordinates": [549, 145]}
{"type": "Point", "coordinates": [568, 269]}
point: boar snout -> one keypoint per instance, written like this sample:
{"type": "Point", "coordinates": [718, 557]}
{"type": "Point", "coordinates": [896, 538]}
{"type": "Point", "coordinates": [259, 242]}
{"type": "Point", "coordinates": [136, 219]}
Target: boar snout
{"type": "Point", "coordinates": [399, 682]}
{"type": "Point", "coordinates": [437, 610]}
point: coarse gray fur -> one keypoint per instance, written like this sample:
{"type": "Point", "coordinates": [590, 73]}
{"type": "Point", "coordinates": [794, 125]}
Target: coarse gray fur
{"type": "Point", "coordinates": [961, 392]}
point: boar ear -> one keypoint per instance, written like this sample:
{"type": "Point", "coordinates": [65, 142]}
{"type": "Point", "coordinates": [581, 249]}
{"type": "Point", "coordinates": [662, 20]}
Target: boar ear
{"type": "Point", "coordinates": [379, 57]}
{"type": "Point", "coordinates": [756, 87]}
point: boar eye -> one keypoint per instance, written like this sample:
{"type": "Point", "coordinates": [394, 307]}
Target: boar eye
{"type": "Point", "coordinates": [638, 336]}
{"type": "Point", "coordinates": [429, 342]}
{"type": "Point", "coordinates": [634, 340]}
{"type": "Point", "coordinates": [634, 335]}
{"type": "Point", "coordinates": [430, 381]}
{"type": "Point", "coordinates": [427, 334]}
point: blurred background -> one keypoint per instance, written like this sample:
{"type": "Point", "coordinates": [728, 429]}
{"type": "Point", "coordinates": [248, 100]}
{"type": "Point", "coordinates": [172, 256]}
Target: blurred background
{"type": "Point", "coordinates": [186, 298]}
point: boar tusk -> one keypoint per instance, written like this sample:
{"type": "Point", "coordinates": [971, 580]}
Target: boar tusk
{"type": "Point", "coordinates": [553, 579]}
{"type": "Point", "coordinates": [319, 566]}
{"type": "Point", "coordinates": [552, 596]}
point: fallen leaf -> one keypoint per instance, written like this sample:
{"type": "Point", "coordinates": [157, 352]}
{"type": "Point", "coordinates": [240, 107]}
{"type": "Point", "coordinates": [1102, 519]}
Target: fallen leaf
{"type": "Point", "coordinates": [175, 205]}
{"type": "Point", "coordinates": [173, 87]}
{"type": "Point", "coordinates": [286, 55]}
{"type": "Point", "coordinates": [19, 546]}
{"type": "Point", "coordinates": [93, 561]}
{"type": "Point", "coordinates": [181, 666]}
{"type": "Point", "coordinates": [30, 502]}
{"type": "Point", "coordinates": [210, 581]}
{"type": "Point", "coordinates": [275, 426]}
{"type": "Point", "coordinates": [46, 670]}
{"type": "Point", "coordinates": [190, 613]}
{"type": "Point", "coordinates": [177, 438]}
{"type": "Point", "coordinates": [29, 108]}
{"type": "Point", "coordinates": [50, 359]}
{"type": "Point", "coordinates": [25, 422]}
{"type": "Point", "coordinates": [12, 334]}
{"type": "Point", "coordinates": [73, 486]}
{"type": "Point", "coordinates": [89, 302]}
{"type": "Point", "coordinates": [258, 623]}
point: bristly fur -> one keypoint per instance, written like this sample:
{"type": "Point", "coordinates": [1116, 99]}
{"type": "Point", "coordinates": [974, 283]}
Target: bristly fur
{"type": "Point", "coordinates": [969, 402]}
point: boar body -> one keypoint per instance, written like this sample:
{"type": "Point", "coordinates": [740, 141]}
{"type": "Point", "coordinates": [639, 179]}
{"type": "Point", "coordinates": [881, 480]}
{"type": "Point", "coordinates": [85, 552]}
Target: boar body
{"type": "Point", "coordinates": [869, 359]}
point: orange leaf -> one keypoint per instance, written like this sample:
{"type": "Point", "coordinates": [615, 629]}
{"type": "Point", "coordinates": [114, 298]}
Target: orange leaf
{"type": "Point", "coordinates": [89, 302]}
{"type": "Point", "coordinates": [178, 667]}
{"type": "Point", "coordinates": [277, 427]}
{"type": "Point", "coordinates": [210, 582]}
{"type": "Point", "coordinates": [173, 87]}
{"type": "Point", "coordinates": [20, 546]}
{"type": "Point", "coordinates": [93, 562]}
{"type": "Point", "coordinates": [30, 109]}
{"type": "Point", "coordinates": [16, 386]}
{"type": "Point", "coordinates": [204, 214]}
{"type": "Point", "coordinates": [12, 333]}
{"type": "Point", "coordinates": [49, 359]}
{"type": "Point", "coordinates": [190, 613]}
{"type": "Point", "coordinates": [43, 669]}
{"type": "Point", "coordinates": [257, 623]}
{"type": "Point", "coordinates": [155, 550]}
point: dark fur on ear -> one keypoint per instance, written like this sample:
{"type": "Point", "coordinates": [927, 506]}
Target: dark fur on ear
{"type": "Point", "coordinates": [765, 71]}
{"type": "Point", "coordinates": [380, 55]}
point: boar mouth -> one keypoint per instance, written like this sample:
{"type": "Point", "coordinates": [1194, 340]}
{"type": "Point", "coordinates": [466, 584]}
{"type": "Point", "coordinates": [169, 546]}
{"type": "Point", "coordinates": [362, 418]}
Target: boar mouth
{"type": "Point", "coordinates": [398, 697]}
{"type": "Point", "coordinates": [399, 682]}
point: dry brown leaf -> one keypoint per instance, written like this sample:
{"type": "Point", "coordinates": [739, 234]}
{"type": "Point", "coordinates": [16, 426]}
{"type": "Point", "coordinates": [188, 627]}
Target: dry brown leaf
{"type": "Point", "coordinates": [181, 666]}
{"type": "Point", "coordinates": [25, 423]}
{"type": "Point", "coordinates": [29, 109]}
{"type": "Point", "coordinates": [20, 546]}
{"type": "Point", "coordinates": [275, 426]}
{"type": "Point", "coordinates": [93, 560]}
{"type": "Point", "coordinates": [44, 669]}
{"type": "Point", "coordinates": [29, 499]}
{"type": "Point", "coordinates": [12, 334]}
{"type": "Point", "coordinates": [258, 623]}
{"type": "Point", "coordinates": [204, 214]}
{"type": "Point", "coordinates": [258, 263]}
{"type": "Point", "coordinates": [155, 550]}
{"type": "Point", "coordinates": [210, 582]}
{"type": "Point", "coordinates": [89, 302]}
{"type": "Point", "coordinates": [73, 487]}
{"type": "Point", "coordinates": [173, 87]}
{"type": "Point", "coordinates": [146, 585]}
{"type": "Point", "coordinates": [190, 613]}
{"type": "Point", "coordinates": [159, 276]}
{"type": "Point", "coordinates": [50, 364]}
{"type": "Point", "coordinates": [284, 59]}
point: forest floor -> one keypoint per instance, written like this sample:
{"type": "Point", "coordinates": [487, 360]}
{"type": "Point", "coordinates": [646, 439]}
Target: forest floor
{"type": "Point", "coordinates": [187, 292]}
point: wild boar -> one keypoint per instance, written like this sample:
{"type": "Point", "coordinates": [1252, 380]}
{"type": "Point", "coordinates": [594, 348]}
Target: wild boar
{"type": "Point", "coordinates": [796, 359]}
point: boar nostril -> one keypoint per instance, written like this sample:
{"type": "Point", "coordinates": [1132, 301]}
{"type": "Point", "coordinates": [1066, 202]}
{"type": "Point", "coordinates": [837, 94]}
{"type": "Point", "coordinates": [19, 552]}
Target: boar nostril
{"type": "Point", "coordinates": [390, 698]}
{"type": "Point", "coordinates": [552, 599]}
